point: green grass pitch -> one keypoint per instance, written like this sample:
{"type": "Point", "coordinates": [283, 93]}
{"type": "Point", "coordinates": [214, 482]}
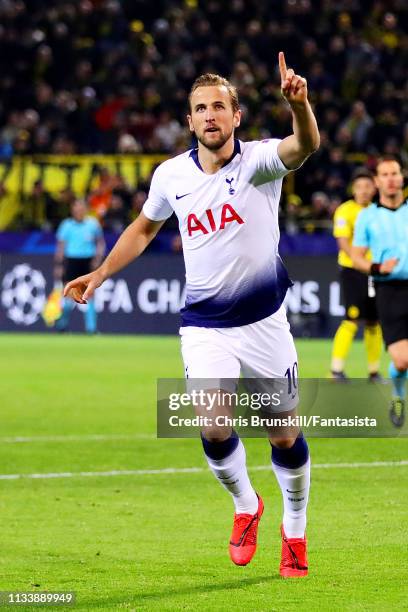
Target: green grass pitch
{"type": "Point", "coordinates": [159, 541]}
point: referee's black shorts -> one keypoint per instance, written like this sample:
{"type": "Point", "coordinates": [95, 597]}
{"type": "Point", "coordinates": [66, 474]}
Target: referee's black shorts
{"type": "Point", "coordinates": [392, 305]}
{"type": "Point", "coordinates": [357, 302]}
{"type": "Point", "coordinates": [76, 266]}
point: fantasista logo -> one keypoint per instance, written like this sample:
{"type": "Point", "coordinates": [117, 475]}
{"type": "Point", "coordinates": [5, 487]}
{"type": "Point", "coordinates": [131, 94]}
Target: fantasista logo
{"type": "Point", "coordinates": [208, 224]}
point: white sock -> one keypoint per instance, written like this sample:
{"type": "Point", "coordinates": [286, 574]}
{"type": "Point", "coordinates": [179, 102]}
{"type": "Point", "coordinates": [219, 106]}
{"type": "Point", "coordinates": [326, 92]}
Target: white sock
{"type": "Point", "coordinates": [294, 484]}
{"type": "Point", "coordinates": [232, 474]}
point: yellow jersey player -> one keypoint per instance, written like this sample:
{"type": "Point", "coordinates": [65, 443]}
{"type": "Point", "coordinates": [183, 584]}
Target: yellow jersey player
{"type": "Point", "coordinates": [357, 288]}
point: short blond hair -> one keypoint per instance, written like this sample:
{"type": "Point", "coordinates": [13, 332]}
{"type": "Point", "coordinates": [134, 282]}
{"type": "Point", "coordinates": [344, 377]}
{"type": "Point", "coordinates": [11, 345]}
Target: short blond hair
{"type": "Point", "coordinates": [208, 80]}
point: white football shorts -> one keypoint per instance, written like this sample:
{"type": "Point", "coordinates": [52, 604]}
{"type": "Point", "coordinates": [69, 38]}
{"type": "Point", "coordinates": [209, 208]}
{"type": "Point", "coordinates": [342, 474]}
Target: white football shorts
{"type": "Point", "coordinates": [261, 350]}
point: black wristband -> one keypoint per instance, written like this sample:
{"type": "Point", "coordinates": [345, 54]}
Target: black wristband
{"type": "Point", "coordinates": [375, 269]}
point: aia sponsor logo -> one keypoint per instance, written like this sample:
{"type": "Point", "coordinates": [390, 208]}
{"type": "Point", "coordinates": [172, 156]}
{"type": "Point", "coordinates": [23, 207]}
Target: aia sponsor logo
{"type": "Point", "coordinates": [208, 224]}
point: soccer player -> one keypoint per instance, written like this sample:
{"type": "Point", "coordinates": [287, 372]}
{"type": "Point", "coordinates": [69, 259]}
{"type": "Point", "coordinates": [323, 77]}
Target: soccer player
{"type": "Point", "coordinates": [80, 249]}
{"type": "Point", "coordinates": [225, 194]}
{"type": "Point", "coordinates": [383, 228]}
{"type": "Point", "coordinates": [357, 287]}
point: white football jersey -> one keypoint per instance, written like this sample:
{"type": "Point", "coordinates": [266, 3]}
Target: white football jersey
{"type": "Point", "coordinates": [229, 228]}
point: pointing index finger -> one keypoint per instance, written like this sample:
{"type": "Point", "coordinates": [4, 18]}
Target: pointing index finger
{"type": "Point", "coordinates": [282, 65]}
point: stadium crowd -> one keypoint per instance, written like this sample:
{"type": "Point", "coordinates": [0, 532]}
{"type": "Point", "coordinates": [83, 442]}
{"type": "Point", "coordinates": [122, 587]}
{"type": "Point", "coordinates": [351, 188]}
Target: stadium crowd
{"type": "Point", "coordinates": [104, 76]}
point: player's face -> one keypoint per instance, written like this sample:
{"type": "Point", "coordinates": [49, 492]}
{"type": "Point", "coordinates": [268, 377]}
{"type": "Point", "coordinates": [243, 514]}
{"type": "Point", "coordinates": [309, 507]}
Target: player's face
{"type": "Point", "coordinates": [212, 117]}
{"type": "Point", "coordinates": [363, 190]}
{"type": "Point", "coordinates": [389, 178]}
{"type": "Point", "coordinates": [78, 211]}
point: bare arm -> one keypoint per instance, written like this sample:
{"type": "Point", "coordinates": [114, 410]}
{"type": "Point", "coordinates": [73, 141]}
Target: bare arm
{"type": "Point", "coordinates": [130, 245]}
{"type": "Point", "coordinates": [358, 256]}
{"type": "Point", "coordinates": [344, 245]}
{"type": "Point", "coordinates": [364, 265]}
{"type": "Point", "coordinates": [305, 139]}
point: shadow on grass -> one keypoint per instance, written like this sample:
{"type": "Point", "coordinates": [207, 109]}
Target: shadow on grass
{"type": "Point", "coordinates": [142, 598]}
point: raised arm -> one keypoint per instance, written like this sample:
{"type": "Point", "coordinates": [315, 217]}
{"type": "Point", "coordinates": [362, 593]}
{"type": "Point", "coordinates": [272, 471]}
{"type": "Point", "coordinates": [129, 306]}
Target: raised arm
{"type": "Point", "coordinates": [305, 139]}
{"type": "Point", "coordinates": [130, 245]}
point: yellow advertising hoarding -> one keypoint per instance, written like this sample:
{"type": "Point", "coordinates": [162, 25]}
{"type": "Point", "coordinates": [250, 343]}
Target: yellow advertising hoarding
{"type": "Point", "coordinates": [59, 172]}
{"type": "Point", "coordinates": [76, 172]}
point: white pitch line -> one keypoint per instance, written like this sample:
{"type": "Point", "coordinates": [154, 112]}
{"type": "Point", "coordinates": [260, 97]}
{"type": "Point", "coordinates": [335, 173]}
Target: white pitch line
{"type": "Point", "coordinates": [191, 470]}
{"type": "Point", "coordinates": [75, 438]}
{"type": "Point", "coordinates": [362, 464]}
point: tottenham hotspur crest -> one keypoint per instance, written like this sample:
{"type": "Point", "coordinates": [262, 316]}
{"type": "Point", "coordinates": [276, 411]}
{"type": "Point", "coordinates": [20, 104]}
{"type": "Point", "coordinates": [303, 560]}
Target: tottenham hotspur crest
{"type": "Point", "coordinates": [231, 190]}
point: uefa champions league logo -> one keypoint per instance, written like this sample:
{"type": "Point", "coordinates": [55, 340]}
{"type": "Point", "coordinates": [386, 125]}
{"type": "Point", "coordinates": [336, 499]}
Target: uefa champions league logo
{"type": "Point", "coordinates": [23, 294]}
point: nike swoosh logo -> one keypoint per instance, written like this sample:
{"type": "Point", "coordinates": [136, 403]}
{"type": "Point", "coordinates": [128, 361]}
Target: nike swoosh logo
{"type": "Point", "coordinates": [295, 491]}
{"type": "Point", "coordinates": [182, 196]}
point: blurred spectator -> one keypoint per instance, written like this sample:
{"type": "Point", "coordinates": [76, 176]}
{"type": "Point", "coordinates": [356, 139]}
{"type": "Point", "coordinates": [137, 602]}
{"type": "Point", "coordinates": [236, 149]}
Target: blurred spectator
{"type": "Point", "coordinates": [100, 196]}
{"type": "Point", "coordinates": [294, 216]}
{"type": "Point", "coordinates": [128, 144]}
{"type": "Point", "coordinates": [138, 199]}
{"type": "Point", "coordinates": [60, 209]}
{"type": "Point", "coordinates": [358, 123]}
{"type": "Point", "coordinates": [404, 148]}
{"type": "Point", "coordinates": [321, 213]}
{"type": "Point", "coordinates": [43, 210]}
{"type": "Point", "coordinates": [9, 133]}
{"type": "Point", "coordinates": [167, 132]}
{"type": "Point", "coordinates": [36, 207]}
{"type": "Point", "coordinates": [116, 218]}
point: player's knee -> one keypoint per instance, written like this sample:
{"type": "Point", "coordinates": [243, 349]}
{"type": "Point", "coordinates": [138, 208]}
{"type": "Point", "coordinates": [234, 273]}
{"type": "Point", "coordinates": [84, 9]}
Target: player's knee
{"type": "Point", "coordinates": [216, 434]}
{"type": "Point", "coordinates": [284, 443]}
{"type": "Point", "coordinates": [401, 363]}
